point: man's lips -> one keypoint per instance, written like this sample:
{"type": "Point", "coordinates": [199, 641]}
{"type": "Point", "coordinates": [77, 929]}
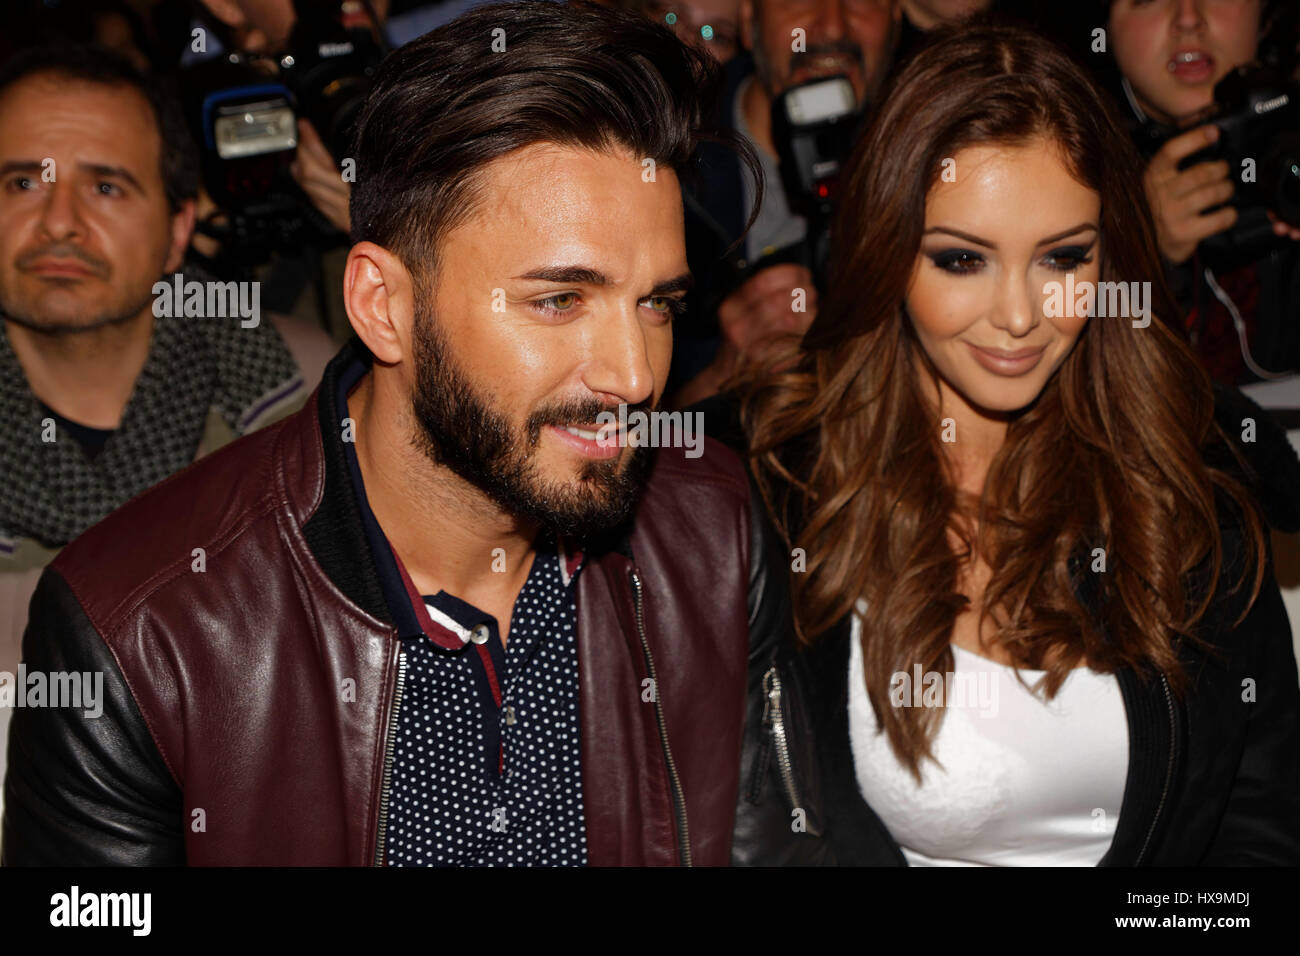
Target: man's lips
{"type": "Point", "coordinates": [591, 441]}
{"type": "Point", "coordinates": [816, 66]}
{"type": "Point", "coordinates": [60, 267]}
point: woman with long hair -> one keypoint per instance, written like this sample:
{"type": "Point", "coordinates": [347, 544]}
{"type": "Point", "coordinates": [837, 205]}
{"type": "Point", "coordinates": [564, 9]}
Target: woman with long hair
{"type": "Point", "coordinates": [1035, 612]}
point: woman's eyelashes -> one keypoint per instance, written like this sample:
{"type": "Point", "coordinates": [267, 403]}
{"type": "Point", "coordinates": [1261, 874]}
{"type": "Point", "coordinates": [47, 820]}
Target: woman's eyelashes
{"type": "Point", "coordinates": [967, 261]}
{"type": "Point", "coordinates": [957, 261]}
{"type": "Point", "coordinates": [565, 305]}
{"type": "Point", "coordinates": [1068, 258]}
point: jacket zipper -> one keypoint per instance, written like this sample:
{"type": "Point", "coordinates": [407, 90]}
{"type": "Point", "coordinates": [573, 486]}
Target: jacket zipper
{"type": "Point", "coordinates": [679, 798]}
{"type": "Point", "coordinates": [774, 718]}
{"type": "Point", "coordinates": [1169, 771]}
{"type": "Point", "coordinates": [390, 746]}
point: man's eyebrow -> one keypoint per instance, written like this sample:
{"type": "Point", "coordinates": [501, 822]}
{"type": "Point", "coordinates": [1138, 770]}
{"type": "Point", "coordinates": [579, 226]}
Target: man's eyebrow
{"type": "Point", "coordinates": [584, 275]}
{"type": "Point", "coordinates": [579, 275]}
{"type": "Point", "coordinates": [1073, 230]}
{"type": "Point", "coordinates": [97, 169]}
{"type": "Point", "coordinates": [20, 166]}
{"type": "Point", "coordinates": [112, 172]}
{"type": "Point", "coordinates": [681, 283]}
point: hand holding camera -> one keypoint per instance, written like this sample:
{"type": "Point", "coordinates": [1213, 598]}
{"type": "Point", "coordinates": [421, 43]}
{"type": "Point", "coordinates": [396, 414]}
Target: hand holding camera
{"type": "Point", "coordinates": [1233, 183]}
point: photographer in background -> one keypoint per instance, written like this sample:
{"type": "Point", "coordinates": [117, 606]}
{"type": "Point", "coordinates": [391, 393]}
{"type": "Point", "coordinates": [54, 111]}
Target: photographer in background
{"type": "Point", "coordinates": [1233, 261]}
{"type": "Point", "coordinates": [99, 397]}
{"type": "Point", "coordinates": [788, 43]}
{"type": "Point", "coordinates": [274, 202]}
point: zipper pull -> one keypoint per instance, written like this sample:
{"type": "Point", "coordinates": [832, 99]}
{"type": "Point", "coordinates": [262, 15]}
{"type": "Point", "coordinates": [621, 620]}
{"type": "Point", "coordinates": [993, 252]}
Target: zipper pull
{"type": "Point", "coordinates": [771, 695]}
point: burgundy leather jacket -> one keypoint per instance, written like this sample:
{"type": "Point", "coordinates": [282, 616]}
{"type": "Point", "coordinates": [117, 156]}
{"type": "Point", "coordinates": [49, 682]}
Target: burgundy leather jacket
{"type": "Point", "coordinates": [248, 707]}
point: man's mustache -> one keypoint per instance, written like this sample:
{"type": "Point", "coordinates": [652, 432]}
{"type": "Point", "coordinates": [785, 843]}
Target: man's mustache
{"type": "Point", "coordinates": [62, 250]}
{"type": "Point", "coordinates": [846, 48]}
{"type": "Point", "coordinates": [578, 412]}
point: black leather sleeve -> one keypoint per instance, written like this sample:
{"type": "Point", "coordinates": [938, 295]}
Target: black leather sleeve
{"type": "Point", "coordinates": [84, 790]}
{"type": "Point", "coordinates": [1261, 825]}
{"type": "Point", "coordinates": [769, 829]}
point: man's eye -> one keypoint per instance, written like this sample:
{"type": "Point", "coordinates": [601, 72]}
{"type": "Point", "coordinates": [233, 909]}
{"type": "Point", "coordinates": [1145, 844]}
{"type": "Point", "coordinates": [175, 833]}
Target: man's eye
{"type": "Point", "coordinates": [21, 183]}
{"type": "Point", "coordinates": [669, 305]}
{"type": "Point", "coordinates": [108, 189]}
{"type": "Point", "coordinates": [557, 304]}
{"type": "Point", "coordinates": [958, 261]}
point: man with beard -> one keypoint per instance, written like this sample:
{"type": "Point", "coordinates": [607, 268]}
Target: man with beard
{"type": "Point", "coordinates": [439, 617]}
{"type": "Point", "coordinates": [787, 43]}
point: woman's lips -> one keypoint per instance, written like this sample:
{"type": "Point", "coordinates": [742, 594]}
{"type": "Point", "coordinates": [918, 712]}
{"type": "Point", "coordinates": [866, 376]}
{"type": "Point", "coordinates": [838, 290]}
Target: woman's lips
{"type": "Point", "coordinates": [1192, 66]}
{"type": "Point", "coordinates": [1002, 362]}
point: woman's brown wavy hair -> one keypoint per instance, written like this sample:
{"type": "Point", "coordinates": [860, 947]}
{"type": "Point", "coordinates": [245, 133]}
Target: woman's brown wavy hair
{"type": "Point", "coordinates": [846, 448]}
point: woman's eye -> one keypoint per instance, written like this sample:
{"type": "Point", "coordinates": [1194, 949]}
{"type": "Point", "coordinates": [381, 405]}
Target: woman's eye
{"type": "Point", "coordinates": [1067, 259]}
{"type": "Point", "coordinates": [957, 261]}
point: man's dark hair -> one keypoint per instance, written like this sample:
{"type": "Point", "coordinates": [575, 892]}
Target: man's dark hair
{"type": "Point", "coordinates": [445, 105]}
{"type": "Point", "coordinates": [179, 163]}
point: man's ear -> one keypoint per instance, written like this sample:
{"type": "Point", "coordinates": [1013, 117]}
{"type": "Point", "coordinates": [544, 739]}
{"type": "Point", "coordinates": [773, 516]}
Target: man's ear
{"type": "Point", "coordinates": [747, 24]}
{"type": "Point", "coordinates": [182, 231]}
{"type": "Point", "coordinates": [379, 296]}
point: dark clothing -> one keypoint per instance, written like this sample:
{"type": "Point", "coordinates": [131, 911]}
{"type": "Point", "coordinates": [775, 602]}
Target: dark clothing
{"type": "Point", "coordinates": [1212, 779]}
{"type": "Point", "coordinates": [212, 672]}
{"type": "Point", "coordinates": [90, 439]}
{"type": "Point", "coordinates": [714, 202]}
{"type": "Point", "coordinates": [1266, 294]}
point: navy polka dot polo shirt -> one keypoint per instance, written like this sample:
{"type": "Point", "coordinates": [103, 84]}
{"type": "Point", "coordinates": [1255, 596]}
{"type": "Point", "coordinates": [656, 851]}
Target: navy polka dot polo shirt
{"type": "Point", "coordinates": [481, 783]}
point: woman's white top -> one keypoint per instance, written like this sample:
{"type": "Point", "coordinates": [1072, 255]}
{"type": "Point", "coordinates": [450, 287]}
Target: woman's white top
{"type": "Point", "coordinates": [1025, 782]}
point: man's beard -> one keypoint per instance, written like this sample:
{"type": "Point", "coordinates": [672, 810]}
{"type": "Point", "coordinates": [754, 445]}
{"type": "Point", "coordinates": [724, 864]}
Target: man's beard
{"type": "Point", "coordinates": [457, 427]}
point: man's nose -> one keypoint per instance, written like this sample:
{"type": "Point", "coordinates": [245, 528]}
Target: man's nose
{"type": "Point", "coordinates": [618, 366]}
{"type": "Point", "coordinates": [61, 216]}
{"type": "Point", "coordinates": [832, 23]}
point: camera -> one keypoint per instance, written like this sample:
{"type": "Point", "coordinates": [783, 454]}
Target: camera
{"type": "Point", "coordinates": [243, 111]}
{"type": "Point", "coordinates": [1257, 111]}
{"type": "Point", "coordinates": [814, 125]}
{"type": "Point", "coordinates": [328, 68]}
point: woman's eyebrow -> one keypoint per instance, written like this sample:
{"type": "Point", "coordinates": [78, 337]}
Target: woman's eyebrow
{"type": "Point", "coordinates": [976, 240]}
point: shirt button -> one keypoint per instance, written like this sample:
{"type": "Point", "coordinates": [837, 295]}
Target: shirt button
{"type": "Point", "coordinates": [479, 635]}
{"type": "Point", "coordinates": [510, 715]}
